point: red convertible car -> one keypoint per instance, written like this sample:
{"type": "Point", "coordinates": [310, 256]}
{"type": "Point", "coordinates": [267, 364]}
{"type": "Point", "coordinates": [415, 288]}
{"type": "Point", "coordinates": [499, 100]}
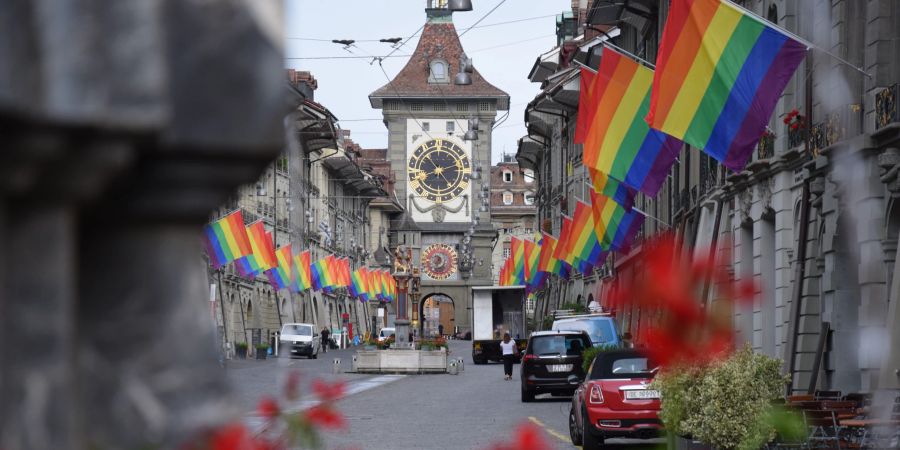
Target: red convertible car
{"type": "Point", "coordinates": [614, 401]}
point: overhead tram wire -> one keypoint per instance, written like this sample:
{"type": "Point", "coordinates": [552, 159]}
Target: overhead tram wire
{"type": "Point", "coordinates": [482, 18]}
{"type": "Point", "coordinates": [417, 32]}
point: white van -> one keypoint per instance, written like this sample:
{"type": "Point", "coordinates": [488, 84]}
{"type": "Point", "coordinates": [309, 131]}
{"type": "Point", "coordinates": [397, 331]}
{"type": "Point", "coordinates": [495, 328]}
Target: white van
{"type": "Point", "coordinates": [299, 339]}
{"type": "Point", "coordinates": [385, 333]}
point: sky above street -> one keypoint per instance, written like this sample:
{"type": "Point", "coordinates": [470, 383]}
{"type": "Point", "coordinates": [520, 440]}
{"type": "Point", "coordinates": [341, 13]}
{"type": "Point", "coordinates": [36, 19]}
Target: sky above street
{"type": "Point", "coordinates": [503, 53]}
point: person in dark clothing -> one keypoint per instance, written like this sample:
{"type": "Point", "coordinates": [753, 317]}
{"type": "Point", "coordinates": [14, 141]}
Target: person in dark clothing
{"type": "Point", "coordinates": [440, 330]}
{"type": "Point", "coordinates": [324, 343]}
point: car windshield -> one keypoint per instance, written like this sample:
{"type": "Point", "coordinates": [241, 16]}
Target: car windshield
{"type": "Point", "coordinates": [569, 345]}
{"type": "Point", "coordinates": [600, 330]}
{"type": "Point", "coordinates": [622, 364]}
{"type": "Point", "coordinates": [297, 330]}
{"type": "Point", "coordinates": [385, 332]}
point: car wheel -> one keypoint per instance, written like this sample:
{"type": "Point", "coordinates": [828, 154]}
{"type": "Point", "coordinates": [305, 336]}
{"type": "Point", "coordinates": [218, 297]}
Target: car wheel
{"type": "Point", "coordinates": [588, 439]}
{"type": "Point", "coordinates": [479, 361]}
{"type": "Point", "coordinates": [527, 396]}
{"type": "Point", "coordinates": [574, 428]}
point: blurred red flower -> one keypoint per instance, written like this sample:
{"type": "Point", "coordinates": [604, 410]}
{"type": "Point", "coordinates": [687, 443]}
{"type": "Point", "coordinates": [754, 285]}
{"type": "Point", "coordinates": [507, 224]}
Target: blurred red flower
{"type": "Point", "coordinates": [268, 408]}
{"type": "Point", "coordinates": [292, 385]}
{"type": "Point", "coordinates": [328, 392]}
{"type": "Point", "coordinates": [677, 327]}
{"type": "Point", "coordinates": [526, 437]}
{"type": "Point", "coordinates": [325, 417]}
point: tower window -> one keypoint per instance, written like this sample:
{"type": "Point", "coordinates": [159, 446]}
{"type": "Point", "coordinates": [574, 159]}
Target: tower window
{"type": "Point", "coordinates": [438, 72]}
{"type": "Point", "coordinates": [426, 126]}
{"type": "Point", "coordinates": [507, 198]}
{"type": "Point", "coordinates": [507, 177]}
{"type": "Point", "coordinates": [451, 127]}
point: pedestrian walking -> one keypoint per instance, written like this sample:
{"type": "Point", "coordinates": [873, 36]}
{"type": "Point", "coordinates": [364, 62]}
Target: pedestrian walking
{"type": "Point", "coordinates": [509, 349]}
{"type": "Point", "coordinates": [325, 335]}
{"type": "Point", "coordinates": [440, 330]}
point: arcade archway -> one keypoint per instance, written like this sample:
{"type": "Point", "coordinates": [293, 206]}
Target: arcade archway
{"type": "Point", "coordinates": [436, 313]}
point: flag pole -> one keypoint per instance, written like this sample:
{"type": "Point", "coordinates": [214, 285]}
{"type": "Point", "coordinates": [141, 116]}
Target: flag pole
{"type": "Point", "coordinates": [809, 45]}
{"type": "Point", "coordinates": [650, 217]}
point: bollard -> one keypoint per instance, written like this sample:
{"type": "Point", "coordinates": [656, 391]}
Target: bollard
{"type": "Point", "coordinates": [353, 362]}
{"type": "Point", "coordinates": [336, 367]}
{"type": "Point", "coordinates": [460, 363]}
{"type": "Point", "coordinates": [452, 370]}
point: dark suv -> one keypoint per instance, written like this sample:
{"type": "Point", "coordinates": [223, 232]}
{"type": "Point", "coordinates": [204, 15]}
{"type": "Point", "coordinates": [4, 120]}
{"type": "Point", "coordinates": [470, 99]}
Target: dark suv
{"type": "Point", "coordinates": [552, 363]}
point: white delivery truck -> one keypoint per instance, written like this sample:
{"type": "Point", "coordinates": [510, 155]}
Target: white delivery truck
{"type": "Point", "coordinates": [496, 310]}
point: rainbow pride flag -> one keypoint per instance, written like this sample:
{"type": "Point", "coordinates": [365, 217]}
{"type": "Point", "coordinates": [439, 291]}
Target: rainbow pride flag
{"type": "Point", "coordinates": [619, 142]}
{"type": "Point", "coordinates": [319, 274]}
{"type": "Point", "coordinates": [226, 240]}
{"type": "Point", "coordinates": [587, 106]}
{"type": "Point", "coordinates": [612, 188]}
{"type": "Point", "coordinates": [532, 255]}
{"type": "Point", "coordinates": [357, 285]}
{"type": "Point", "coordinates": [614, 226]}
{"type": "Point", "coordinates": [506, 278]}
{"type": "Point", "coordinates": [561, 252]}
{"type": "Point", "coordinates": [719, 74]}
{"type": "Point", "coordinates": [302, 276]}
{"type": "Point", "coordinates": [584, 242]}
{"type": "Point", "coordinates": [263, 256]}
{"type": "Point", "coordinates": [280, 275]}
{"type": "Point", "coordinates": [517, 253]}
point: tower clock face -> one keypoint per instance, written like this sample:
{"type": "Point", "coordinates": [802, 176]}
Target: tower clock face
{"type": "Point", "coordinates": [439, 170]}
{"type": "Point", "coordinates": [439, 261]}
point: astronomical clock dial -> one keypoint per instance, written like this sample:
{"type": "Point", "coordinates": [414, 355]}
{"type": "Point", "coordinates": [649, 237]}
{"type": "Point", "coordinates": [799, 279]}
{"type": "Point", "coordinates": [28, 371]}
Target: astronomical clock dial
{"type": "Point", "coordinates": [439, 261]}
{"type": "Point", "coordinates": [439, 171]}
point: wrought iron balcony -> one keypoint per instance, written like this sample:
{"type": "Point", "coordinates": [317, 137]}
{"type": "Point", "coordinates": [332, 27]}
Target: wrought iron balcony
{"type": "Point", "coordinates": [886, 110]}
{"type": "Point", "coordinates": [765, 149]}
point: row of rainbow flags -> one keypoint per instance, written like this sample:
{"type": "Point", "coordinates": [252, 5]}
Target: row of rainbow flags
{"type": "Point", "coordinates": [719, 74]}
{"type": "Point", "coordinates": [253, 253]}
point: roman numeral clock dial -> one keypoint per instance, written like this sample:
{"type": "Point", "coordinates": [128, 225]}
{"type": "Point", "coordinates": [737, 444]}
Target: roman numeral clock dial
{"type": "Point", "coordinates": [438, 171]}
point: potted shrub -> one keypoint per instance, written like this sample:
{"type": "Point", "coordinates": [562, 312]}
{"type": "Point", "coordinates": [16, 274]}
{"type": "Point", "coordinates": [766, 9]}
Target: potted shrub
{"type": "Point", "coordinates": [261, 351]}
{"type": "Point", "coordinates": [727, 404]}
{"type": "Point", "coordinates": [370, 344]}
{"type": "Point", "coordinates": [240, 350]}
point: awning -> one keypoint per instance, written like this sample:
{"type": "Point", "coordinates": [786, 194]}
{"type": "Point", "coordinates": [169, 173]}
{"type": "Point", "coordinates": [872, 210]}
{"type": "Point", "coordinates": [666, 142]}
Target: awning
{"type": "Point", "coordinates": [566, 92]}
{"type": "Point", "coordinates": [346, 169]}
{"type": "Point", "coordinates": [589, 52]}
{"type": "Point", "coordinates": [529, 152]}
{"type": "Point", "coordinates": [315, 125]}
{"type": "Point", "coordinates": [637, 13]}
{"type": "Point", "coordinates": [544, 66]}
{"type": "Point", "coordinates": [539, 124]}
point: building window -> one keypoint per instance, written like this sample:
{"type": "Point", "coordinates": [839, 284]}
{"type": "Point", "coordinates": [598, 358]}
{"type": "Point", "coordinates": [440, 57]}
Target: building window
{"type": "Point", "coordinates": [527, 231]}
{"type": "Point", "coordinates": [484, 106]}
{"type": "Point", "coordinates": [506, 251]}
{"type": "Point", "coordinates": [426, 126]}
{"type": "Point", "coordinates": [438, 72]}
{"type": "Point", "coordinates": [529, 198]}
{"type": "Point", "coordinates": [507, 198]}
{"type": "Point", "coordinates": [451, 127]}
{"type": "Point", "coordinates": [462, 107]}
{"type": "Point", "coordinates": [528, 175]}
{"type": "Point", "coordinates": [507, 177]}
{"type": "Point", "coordinates": [439, 107]}
{"type": "Point", "coordinates": [415, 107]}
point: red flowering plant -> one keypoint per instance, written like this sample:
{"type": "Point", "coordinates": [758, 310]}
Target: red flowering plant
{"type": "Point", "coordinates": [283, 428]}
{"type": "Point", "coordinates": [794, 120]}
{"type": "Point", "coordinates": [526, 437]}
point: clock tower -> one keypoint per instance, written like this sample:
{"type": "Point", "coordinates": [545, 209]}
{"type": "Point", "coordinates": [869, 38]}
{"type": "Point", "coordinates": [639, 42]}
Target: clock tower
{"type": "Point", "coordinates": [432, 109]}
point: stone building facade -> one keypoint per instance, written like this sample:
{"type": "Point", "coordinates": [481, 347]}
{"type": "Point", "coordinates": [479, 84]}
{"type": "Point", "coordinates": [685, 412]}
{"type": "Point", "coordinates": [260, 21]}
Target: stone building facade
{"type": "Point", "coordinates": [512, 208]}
{"type": "Point", "coordinates": [314, 197]}
{"type": "Point", "coordinates": [827, 177]}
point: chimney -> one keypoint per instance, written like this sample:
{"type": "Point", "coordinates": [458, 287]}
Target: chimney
{"type": "Point", "coordinates": [303, 81]}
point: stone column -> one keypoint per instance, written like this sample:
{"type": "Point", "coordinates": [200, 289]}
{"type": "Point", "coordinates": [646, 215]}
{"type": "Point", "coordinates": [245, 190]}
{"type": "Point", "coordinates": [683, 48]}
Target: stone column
{"type": "Point", "coordinates": [38, 396]}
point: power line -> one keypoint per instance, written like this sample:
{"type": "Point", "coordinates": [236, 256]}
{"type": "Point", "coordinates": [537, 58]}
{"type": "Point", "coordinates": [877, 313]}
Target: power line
{"type": "Point", "coordinates": [513, 43]}
{"type": "Point", "coordinates": [344, 57]}
{"type": "Point", "coordinates": [526, 19]}
{"type": "Point", "coordinates": [482, 18]}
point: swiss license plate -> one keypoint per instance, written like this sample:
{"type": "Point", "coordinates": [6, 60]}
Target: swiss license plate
{"type": "Point", "coordinates": [559, 367]}
{"type": "Point", "coordinates": [641, 395]}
